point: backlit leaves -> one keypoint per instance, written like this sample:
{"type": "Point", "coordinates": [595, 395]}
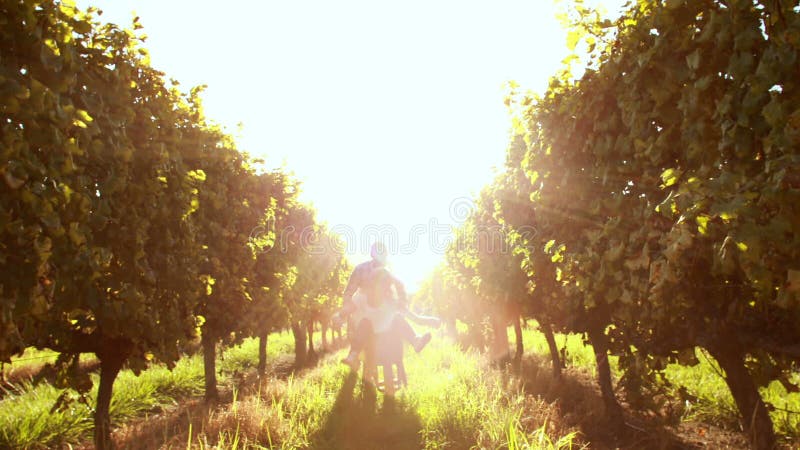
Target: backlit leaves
{"type": "Point", "coordinates": [122, 208]}
{"type": "Point", "coordinates": [662, 183]}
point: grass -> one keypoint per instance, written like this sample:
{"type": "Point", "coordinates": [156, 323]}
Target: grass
{"type": "Point", "coordinates": [453, 401]}
{"type": "Point", "coordinates": [24, 366]}
{"type": "Point", "coordinates": [577, 354]}
{"type": "Point", "coordinates": [710, 401]}
{"type": "Point", "coordinates": [461, 404]}
{"type": "Point", "coordinates": [538, 439]}
{"type": "Point", "coordinates": [706, 397]}
{"type": "Point", "coordinates": [245, 355]}
{"type": "Point", "coordinates": [26, 420]}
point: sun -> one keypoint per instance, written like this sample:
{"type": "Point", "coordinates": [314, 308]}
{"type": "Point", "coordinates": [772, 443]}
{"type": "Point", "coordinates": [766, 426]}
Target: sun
{"type": "Point", "coordinates": [389, 114]}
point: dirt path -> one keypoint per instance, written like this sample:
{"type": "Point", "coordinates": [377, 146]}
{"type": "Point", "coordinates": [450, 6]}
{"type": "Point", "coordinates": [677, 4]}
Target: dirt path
{"type": "Point", "coordinates": [359, 419]}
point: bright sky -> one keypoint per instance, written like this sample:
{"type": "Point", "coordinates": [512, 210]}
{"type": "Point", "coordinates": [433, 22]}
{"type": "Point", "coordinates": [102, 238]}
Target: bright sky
{"type": "Point", "coordinates": [391, 113]}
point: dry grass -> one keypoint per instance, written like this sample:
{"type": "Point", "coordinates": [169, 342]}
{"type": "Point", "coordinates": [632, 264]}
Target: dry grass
{"type": "Point", "coordinates": [454, 401]}
{"type": "Point", "coordinates": [195, 424]}
{"type": "Point", "coordinates": [244, 411]}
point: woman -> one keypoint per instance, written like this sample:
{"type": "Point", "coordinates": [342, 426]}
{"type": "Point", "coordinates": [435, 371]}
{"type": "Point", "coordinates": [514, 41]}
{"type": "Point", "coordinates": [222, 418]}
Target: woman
{"type": "Point", "coordinates": [377, 301]}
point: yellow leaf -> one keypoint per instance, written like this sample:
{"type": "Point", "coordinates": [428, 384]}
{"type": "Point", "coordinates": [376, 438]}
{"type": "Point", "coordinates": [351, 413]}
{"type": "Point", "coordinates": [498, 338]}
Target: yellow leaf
{"type": "Point", "coordinates": [84, 116]}
{"type": "Point", "coordinates": [66, 190]}
{"type": "Point", "coordinates": [702, 223]}
{"type": "Point", "coordinates": [670, 177]}
{"type": "Point", "coordinates": [72, 146]}
{"type": "Point", "coordinates": [197, 175]}
{"type": "Point", "coordinates": [572, 39]}
{"type": "Point", "coordinates": [52, 45]}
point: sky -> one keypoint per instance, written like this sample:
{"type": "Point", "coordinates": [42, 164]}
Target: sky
{"type": "Point", "coordinates": [390, 113]}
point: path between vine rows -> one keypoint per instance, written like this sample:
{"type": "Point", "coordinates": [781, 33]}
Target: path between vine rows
{"type": "Point", "coordinates": [575, 404]}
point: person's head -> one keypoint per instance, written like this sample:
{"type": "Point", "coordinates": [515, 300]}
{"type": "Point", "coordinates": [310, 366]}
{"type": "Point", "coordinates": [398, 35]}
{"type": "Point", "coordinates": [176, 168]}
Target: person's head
{"type": "Point", "coordinates": [379, 253]}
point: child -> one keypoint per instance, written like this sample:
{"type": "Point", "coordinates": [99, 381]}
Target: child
{"type": "Point", "coordinates": [377, 301]}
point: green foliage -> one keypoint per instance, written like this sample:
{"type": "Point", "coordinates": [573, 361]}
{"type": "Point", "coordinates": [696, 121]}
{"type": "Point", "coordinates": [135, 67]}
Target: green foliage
{"type": "Point", "coordinates": [26, 419]}
{"type": "Point", "coordinates": [661, 185]}
{"type": "Point", "coordinates": [126, 218]}
{"type": "Point", "coordinates": [235, 219]}
{"type": "Point", "coordinates": [321, 273]}
{"type": "Point", "coordinates": [97, 241]}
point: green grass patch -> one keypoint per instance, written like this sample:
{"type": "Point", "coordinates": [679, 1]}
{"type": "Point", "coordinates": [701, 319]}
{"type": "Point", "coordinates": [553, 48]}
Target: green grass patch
{"type": "Point", "coordinates": [32, 354]}
{"type": "Point", "coordinates": [453, 401]}
{"type": "Point", "coordinates": [26, 421]}
{"type": "Point", "coordinates": [463, 404]}
{"type": "Point", "coordinates": [24, 366]}
{"type": "Point", "coordinates": [707, 397]}
{"type": "Point", "coordinates": [577, 354]}
{"type": "Point", "coordinates": [710, 400]}
{"type": "Point", "coordinates": [245, 355]}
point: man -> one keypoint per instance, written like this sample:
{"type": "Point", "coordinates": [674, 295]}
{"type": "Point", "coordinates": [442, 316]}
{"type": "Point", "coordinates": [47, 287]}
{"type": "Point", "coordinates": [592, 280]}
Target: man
{"type": "Point", "coordinates": [368, 298]}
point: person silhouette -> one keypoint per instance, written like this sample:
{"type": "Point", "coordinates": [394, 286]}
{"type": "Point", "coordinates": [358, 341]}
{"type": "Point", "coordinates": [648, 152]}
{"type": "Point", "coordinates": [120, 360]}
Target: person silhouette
{"type": "Point", "coordinates": [376, 301]}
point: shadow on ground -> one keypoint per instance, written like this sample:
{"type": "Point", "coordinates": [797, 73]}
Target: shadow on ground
{"type": "Point", "coordinates": [162, 426]}
{"type": "Point", "coordinates": [359, 420]}
{"type": "Point", "coordinates": [581, 406]}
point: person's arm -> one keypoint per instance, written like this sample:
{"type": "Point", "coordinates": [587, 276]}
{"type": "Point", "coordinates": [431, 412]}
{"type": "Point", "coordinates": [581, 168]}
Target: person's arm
{"type": "Point", "coordinates": [428, 321]}
{"type": "Point", "coordinates": [348, 306]}
{"type": "Point", "coordinates": [402, 304]}
{"type": "Point", "coordinates": [352, 285]}
{"type": "Point", "coordinates": [338, 318]}
{"type": "Point", "coordinates": [402, 297]}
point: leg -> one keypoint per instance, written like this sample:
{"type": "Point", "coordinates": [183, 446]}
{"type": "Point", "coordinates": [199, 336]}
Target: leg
{"type": "Point", "coordinates": [361, 337]}
{"type": "Point", "coordinates": [370, 373]}
{"type": "Point", "coordinates": [388, 380]}
{"type": "Point", "coordinates": [402, 380]}
{"type": "Point", "coordinates": [390, 354]}
{"type": "Point", "coordinates": [402, 329]}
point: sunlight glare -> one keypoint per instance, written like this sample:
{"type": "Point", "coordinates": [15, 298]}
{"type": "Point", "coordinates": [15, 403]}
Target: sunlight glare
{"type": "Point", "coordinates": [391, 114]}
